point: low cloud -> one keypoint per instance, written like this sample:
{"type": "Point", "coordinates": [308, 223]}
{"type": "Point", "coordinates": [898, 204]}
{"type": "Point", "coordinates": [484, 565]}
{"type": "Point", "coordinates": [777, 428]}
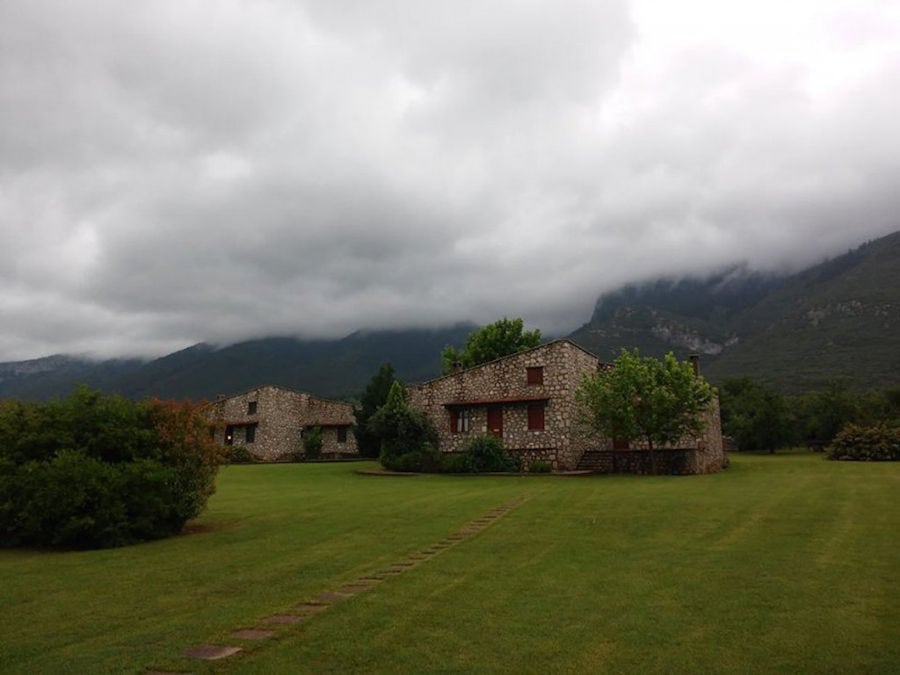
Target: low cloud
{"type": "Point", "coordinates": [174, 172]}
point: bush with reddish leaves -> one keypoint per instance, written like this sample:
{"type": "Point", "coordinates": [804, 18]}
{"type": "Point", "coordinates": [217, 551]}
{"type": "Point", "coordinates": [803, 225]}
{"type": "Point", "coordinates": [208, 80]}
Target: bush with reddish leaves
{"type": "Point", "coordinates": [95, 471]}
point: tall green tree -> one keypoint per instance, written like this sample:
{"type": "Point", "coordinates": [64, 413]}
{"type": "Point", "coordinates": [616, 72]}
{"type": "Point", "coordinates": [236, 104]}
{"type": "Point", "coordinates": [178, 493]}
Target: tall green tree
{"type": "Point", "coordinates": [403, 431]}
{"type": "Point", "coordinates": [501, 338]}
{"type": "Point", "coordinates": [755, 416]}
{"type": "Point", "coordinates": [375, 396]}
{"type": "Point", "coordinates": [643, 398]}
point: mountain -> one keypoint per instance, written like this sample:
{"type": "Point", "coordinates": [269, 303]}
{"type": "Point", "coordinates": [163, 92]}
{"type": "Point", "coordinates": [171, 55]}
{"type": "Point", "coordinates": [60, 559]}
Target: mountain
{"type": "Point", "coordinates": [836, 320]}
{"type": "Point", "coordinates": [332, 368]}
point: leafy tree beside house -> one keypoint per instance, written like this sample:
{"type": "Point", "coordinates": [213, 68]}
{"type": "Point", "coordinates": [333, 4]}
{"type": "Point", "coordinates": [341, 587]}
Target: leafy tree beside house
{"type": "Point", "coordinates": [501, 338]}
{"type": "Point", "coordinates": [367, 441]}
{"type": "Point", "coordinates": [643, 398]}
{"type": "Point", "coordinates": [408, 438]}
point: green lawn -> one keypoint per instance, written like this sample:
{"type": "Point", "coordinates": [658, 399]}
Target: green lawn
{"type": "Point", "coordinates": [784, 563]}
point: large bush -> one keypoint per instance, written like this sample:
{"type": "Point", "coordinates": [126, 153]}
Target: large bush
{"type": "Point", "coordinates": [485, 454]}
{"type": "Point", "coordinates": [95, 471]}
{"type": "Point", "coordinates": [879, 443]}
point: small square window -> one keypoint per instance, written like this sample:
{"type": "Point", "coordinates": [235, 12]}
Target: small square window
{"type": "Point", "coordinates": [251, 408]}
{"type": "Point", "coordinates": [536, 417]}
{"type": "Point", "coordinates": [535, 374]}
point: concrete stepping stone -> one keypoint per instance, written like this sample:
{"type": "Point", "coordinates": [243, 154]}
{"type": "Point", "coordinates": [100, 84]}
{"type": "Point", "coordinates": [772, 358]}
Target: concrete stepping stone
{"type": "Point", "coordinates": [310, 607]}
{"type": "Point", "coordinates": [331, 596]}
{"type": "Point", "coordinates": [210, 652]}
{"type": "Point", "coordinates": [253, 634]}
{"type": "Point", "coordinates": [288, 618]}
{"type": "Point", "coordinates": [353, 589]}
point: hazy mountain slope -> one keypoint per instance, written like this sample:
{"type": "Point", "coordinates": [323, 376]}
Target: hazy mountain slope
{"type": "Point", "coordinates": [335, 368]}
{"type": "Point", "coordinates": [838, 319]}
{"type": "Point", "coordinates": [56, 375]}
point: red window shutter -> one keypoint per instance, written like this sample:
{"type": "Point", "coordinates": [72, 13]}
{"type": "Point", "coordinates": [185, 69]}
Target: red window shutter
{"type": "Point", "coordinates": [535, 374]}
{"type": "Point", "coordinates": [454, 421]}
{"type": "Point", "coordinates": [536, 417]}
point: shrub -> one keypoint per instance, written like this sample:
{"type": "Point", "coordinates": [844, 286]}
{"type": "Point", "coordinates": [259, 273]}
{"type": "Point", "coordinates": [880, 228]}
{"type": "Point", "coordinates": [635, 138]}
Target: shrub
{"type": "Point", "coordinates": [455, 462]}
{"type": "Point", "coordinates": [425, 460]}
{"type": "Point", "coordinates": [879, 443]}
{"type": "Point", "coordinates": [312, 443]}
{"type": "Point", "coordinates": [539, 466]}
{"type": "Point", "coordinates": [96, 471]}
{"type": "Point", "coordinates": [485, 454]}
{"type": "Point", "coordinates": [239, 454]}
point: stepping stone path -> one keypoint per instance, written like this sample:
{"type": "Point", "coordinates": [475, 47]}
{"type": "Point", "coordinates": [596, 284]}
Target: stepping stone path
{"type": "Point", "coordinates": [321, 602]}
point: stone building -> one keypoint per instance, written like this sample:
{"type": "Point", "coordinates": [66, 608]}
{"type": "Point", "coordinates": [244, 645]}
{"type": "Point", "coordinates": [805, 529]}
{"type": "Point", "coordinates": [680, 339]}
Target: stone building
{"type": "Point", "coordinates": [270, 421]}
{"type": "Point", "coordinates": [528, 401]}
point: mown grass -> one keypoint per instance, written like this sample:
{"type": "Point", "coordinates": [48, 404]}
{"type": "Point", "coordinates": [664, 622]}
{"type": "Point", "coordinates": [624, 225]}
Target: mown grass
{"type": "Point", "coordinates": [783, 563]}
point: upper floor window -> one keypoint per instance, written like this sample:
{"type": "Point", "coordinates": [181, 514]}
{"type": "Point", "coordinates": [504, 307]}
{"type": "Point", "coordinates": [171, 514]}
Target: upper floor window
{"type": "Point", "coordinates": [535, 374]}
{"type": "Point", "coordinates": [251, 408]}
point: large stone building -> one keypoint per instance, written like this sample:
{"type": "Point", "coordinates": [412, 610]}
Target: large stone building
{"type": "Point", "coordinates": [270, 421]}
{"type": "Point", "coordinates": [528, 401]}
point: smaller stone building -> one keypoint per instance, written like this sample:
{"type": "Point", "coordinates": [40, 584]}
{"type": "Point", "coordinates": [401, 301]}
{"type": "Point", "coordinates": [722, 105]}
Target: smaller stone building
{"type": "Point", "coordinates": [270, 420]}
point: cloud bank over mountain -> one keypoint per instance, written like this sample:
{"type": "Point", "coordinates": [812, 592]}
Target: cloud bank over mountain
{"type": "Point", "coordinates": [173, 172]}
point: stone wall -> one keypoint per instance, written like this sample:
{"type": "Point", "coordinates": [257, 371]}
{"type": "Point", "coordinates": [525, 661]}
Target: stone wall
{"type": "Point", "coordinates": [563, 442]}
{"type": "Point", "coordinates": [278, 420]}
{"type": "Point", "coordinates": [503, 385]}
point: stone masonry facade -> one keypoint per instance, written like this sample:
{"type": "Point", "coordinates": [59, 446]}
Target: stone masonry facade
{"type": "Point", "coordinates": [528, 401]}
{"type": "Point", "coordinates": [270, 420]}
{"type": "Point", "coordinates": [528, 398]}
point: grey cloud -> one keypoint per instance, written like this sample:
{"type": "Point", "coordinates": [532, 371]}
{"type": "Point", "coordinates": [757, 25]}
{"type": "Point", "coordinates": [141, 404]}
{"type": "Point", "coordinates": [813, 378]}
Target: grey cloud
{"type": "Point", "coordinates": [175, 172]}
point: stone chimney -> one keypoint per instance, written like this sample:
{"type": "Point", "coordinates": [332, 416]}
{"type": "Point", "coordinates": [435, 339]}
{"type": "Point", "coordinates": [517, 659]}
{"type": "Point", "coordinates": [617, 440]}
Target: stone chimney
{"type": "Point", "coordinates": [695, 362]}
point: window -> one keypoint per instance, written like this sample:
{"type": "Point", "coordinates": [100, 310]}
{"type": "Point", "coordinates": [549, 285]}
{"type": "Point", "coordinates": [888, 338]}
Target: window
{"type": "Point", "coordinates": [250, 433]}
{"type": "Point", "coordinates": [535, 374]}
{"type": "Point", "coordinates": [536, 417]}
{"type": "Point", "coordinates": [251, 408]}
{"type": "Point", "coordinates": [342, 434]}
{"type": "Point", "coordinates": [229, 435]}
{"type": "Point", "coordinates": [460, 419]}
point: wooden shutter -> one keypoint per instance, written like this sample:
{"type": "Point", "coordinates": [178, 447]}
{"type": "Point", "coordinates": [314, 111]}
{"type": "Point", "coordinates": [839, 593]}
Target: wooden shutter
{"type": "Point", "coordinates": [536, 417]}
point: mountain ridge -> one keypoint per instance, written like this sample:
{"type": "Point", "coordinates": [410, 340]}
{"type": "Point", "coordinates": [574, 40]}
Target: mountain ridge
{"type": "Point", "coordinates": [839, 319]}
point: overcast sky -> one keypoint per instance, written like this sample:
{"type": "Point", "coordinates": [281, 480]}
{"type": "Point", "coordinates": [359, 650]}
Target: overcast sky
{"type": "Point", "coordinates": [174, 171]}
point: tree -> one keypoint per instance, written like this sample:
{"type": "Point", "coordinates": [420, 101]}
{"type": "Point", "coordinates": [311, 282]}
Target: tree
{"type": "Point", "coordinates": [754, 415]}
{"type": "Point", "coordinates": [312, 443]}
{"type": "Point", "coordinates": [501, 338]}
{"type": "Point", "coordinates": [408, 438]}
{"type": "Point", "coordinates": [825, 412]}
{"type": "Point", "coordinates": [642, 398]}
{"type": "Point", "coordinates": [375, 396]}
